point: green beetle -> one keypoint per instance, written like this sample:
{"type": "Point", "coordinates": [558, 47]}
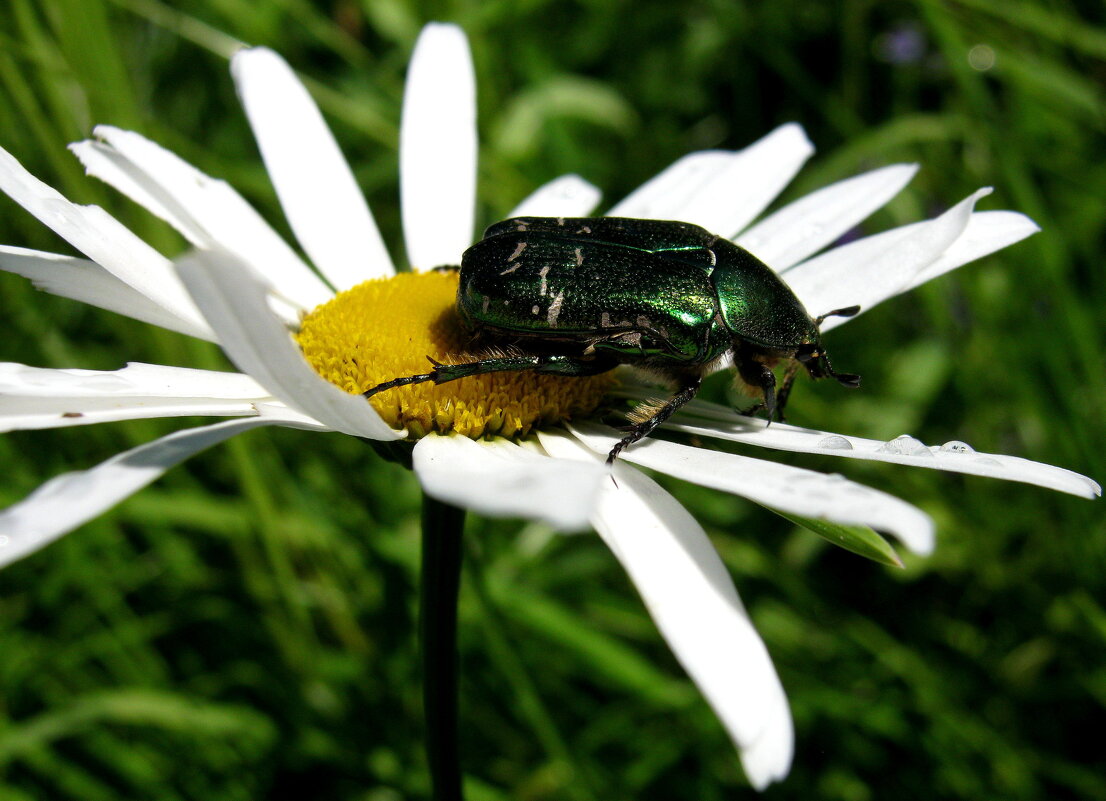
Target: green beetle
{"type": "Point", "coordinates": [580, 296]}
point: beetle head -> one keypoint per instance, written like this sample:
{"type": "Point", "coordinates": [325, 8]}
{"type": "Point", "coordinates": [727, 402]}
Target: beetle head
{"type": "Point", "coordinates": [814, 357]}
{"type": "Point", "coordinates": [816, 361]}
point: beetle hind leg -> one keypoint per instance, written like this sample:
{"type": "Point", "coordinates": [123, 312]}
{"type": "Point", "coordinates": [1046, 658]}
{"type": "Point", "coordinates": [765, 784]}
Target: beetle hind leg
{"type": "Point", "coordinates": [642, 429]}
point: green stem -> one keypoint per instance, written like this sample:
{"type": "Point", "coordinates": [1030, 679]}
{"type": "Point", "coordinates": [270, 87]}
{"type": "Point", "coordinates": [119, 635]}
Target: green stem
{"type": "Point", "coordinates": [441, 578]}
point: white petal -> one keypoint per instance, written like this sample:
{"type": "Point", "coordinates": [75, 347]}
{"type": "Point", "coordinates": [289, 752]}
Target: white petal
{"type": "Point", "coordinates": [68, 500]}
{"type": "Point", "coordinates": [779, 486]}
{"type": "Point", "coordinates": [752, 179]}
{"type": "Point", "coordinates": [315, 185]}
{"type": "Point", "coordinates": [437, 148]}
{"type": "Point", "coordinates": [567, 196]}
{"type": "Point", "coordinates": [708, 419]}
{"type": "Point", "coordinates": [498, 478]}
{"type": "Point", "coordinates": [88, 282]}
{"type": "Point", "coordinates": [871, 270]}
{"type": "Point", "coordinates": [692, 598]}
{"type": "Point", "coordinates": [102, 238]}
{"type": "Point", "coordinates": [255, 339]}
{"type": "Point", "coordinates": [722, 191]}
{"type": "Point", "coordinates": [661, 197]}
{"type": "Point", "coordinates": [986, 232]}
{"type": "Point", "coordinates": [207, 212]}
{"type": "Point", "coordinates": [804, 227]}
{"type": "Point", "coordinates": [34, 397]}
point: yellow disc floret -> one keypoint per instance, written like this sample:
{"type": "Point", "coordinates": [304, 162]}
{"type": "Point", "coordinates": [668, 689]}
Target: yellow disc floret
{"type": "Point", "coordinates": [386, 328]}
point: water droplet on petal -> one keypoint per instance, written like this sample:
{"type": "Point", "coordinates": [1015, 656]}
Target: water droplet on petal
{"type": "Point", "coordinates": [956, 446]}
{"type": "Point", "coordinates": [835, 442]}
{"type": "Point", "coordinates": [987, 460]}
{"type": "Point", "coordinates": [904, 445]}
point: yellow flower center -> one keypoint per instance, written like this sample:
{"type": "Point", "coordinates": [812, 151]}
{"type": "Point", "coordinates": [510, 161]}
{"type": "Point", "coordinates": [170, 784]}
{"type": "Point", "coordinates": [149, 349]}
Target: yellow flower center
{"type": "Point", "coordinates": [386, 328]}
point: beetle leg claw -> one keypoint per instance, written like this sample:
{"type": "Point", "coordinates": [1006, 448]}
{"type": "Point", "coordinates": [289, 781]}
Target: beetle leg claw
{"type": "Point", "coordinates": [645, 427]}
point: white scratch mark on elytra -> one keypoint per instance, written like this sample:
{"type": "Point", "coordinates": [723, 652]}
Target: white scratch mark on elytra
{"type": "Point", "coordinates": [579, 257]}
{"type": "Point", "coordinates": [544, 271]}
{"type": "Point", "coordinates": [534, 309]}
{"type": "Point", "coordinates": [518, 252]}
{"type": "Point", "coordinates": [555, 309]}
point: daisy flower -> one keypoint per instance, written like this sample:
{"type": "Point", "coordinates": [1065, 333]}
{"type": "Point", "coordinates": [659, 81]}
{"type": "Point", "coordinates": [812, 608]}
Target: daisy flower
{"type": "Point", "coordinates": [307, 343]}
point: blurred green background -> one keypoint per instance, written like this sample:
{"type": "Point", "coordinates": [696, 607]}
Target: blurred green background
{"type": "Point", "coordinates": [244, 629]}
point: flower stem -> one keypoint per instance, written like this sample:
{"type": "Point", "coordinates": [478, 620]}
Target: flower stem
{"type": "Point", "coordinates": [441, 578]}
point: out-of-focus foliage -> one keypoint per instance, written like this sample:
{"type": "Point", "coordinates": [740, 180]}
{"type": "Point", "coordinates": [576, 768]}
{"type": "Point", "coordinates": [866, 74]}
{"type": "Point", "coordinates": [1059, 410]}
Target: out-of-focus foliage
{"type": "Point", "coordinates": [244, 629]}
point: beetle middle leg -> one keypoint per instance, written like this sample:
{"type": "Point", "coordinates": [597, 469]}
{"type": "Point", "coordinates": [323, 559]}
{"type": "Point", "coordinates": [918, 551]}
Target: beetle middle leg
{"type": "Point", "coordinates": [641, 430]}
{"type": "Point", "coordinates": [545, 364]}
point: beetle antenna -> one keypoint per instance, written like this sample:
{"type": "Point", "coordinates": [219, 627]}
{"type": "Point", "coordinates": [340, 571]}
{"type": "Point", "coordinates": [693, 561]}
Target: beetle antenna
{"type": "Point", "coordinates": [848, 311]}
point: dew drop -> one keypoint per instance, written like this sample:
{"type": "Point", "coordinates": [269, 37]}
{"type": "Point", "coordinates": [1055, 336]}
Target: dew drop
{"type": "Point", "coordinates": [835, 442]}
{"type": "Point", "coordinates": [987, 460]}
{"type": "Point", "coordinates": [904, 445]}
{"type": "Point", "coordinates": [956, 446]}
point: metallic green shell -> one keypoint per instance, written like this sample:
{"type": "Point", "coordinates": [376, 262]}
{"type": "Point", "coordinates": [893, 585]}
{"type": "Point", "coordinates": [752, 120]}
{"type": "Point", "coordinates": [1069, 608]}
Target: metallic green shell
{"type": "Point", "coordinates": [756, 304]}
{"type": "Point", "coordinates": [643, 289]}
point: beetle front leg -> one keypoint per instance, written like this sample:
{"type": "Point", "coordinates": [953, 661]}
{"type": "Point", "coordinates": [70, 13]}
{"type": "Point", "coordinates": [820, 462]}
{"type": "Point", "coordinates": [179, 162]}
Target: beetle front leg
{"type": "Point", "coordinates": [548, 365]}
{"type": "Point", "coordinates": [645, 427]}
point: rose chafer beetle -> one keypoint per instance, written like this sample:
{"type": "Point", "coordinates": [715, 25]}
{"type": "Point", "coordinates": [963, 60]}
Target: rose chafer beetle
{"type": "Point", "coordinates": [580, 296]}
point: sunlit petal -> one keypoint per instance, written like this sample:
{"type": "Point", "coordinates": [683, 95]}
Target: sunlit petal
{"type": "Point", "coordinates": [810, 223]}
{"type": "Point", "coordinates": [567, 196]}
{"type": "Point", "coordinates": [707, 419]}
{"type": "Point", "coordinates": [986, 232]}
{"type": "Point", "coordinates": [207, 212]}
{"type": "Point", "coordinates": [316, 188]}
{"type": "Point", "coordinates": [737, 193]}
{"type": "Point", "coordinates": [870, 270]}
{"type": "Point", "coordinates": [66, 501]}
{"type": "Point", "coordinates": [88, 282]}
{"type": "Point", "coordinates": [498, 478]}
{"type": "Point", "coordinates": [694, 603]}
{"type": "Point", "coordinates": [35, 397]}
{"type": "Point", "coordinates": [437, 149]}
{"type": "Point", "coordinates": [779, 486]}
{"type": "Point", "coordinates": [664, 195]}
{"type": "Point", "coordinates": [257, 341]}
{"type": "Point", "coordinates": [102, 238]}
